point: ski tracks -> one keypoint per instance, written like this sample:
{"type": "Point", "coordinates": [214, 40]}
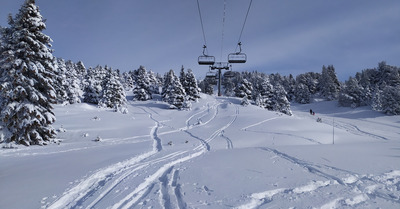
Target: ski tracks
{"type": "Point", "coordinates": [170, 190]}
{"type": "Point", "coordinates": [355, 190]}
{"type": "Point", "coordinates": [99, 188]}
{"type": "Point", "coordinates": [229, 143]}
{"type": "Point", "coordinates": [352, 129]}
{"type": "Point", "coordinates": [142, 190]}
{"type": "Point", "coordinates": [219, 132]}
{"type": "Point", "coordinates": [157, 146]}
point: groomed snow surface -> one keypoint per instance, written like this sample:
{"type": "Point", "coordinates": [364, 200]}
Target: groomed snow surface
{"type": "Point", "coordinates": [217, 155]}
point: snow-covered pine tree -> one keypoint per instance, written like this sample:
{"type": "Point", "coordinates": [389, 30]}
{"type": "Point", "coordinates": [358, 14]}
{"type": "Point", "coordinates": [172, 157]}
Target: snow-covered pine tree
{"type": "Point", "coordinates": [289, 83]}
{"type": "Point", "coordinates": [311, 81]}
{"type": "Point", "coordinates": [127, 81]}
{"type": "Point", "coordinates": [191, 88]}
{"type": "Point", "coordinates": [114, 93]}
{"type": "Point", "coordinates": [182, 77]}
{"type": "Point", "coordinates": [80, 69]}
{"type": "Point", "coordinates": [351, 94]}
{"type": "Point", "coordinates": [377, 99]}
{"type": "Point", "coordinates": [388, 74]}
{"type": "Point", "coordinates": [266, 94]}
{"type": "Point", "coordinates": [281, 103]}
{"type": "Point", "coordinates": [244, 89]}
{"type": "Point", "coordinates": [81, 74]}
{"type": "Point", "coordinates": [61, 84]}
{"type": "Point", "coordinates": [391, 100]}
{"type": "Point", "coordinates": [74, 91]}
{"type": "Point", "coordinates": [173, 92]}
{"type": "Point", "coordinates": [27, 81]}
{"type": "Point", "coordinates": [94, 82]}
{"type": "Point", "coordinates": [141, 90]}
{"type": "Point", "coordinates": [329, 84]}
{"type": "Point", "coordinates": [302, 94]}
{"type": "Point", "coordinates": [155, 83]}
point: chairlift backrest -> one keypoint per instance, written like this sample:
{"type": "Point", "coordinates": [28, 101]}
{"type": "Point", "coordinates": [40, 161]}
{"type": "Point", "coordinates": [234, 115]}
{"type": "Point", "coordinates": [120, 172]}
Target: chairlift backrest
{"type": "Point", "coordinates": [206, 60]}
{"type": "Point", "coordinates": [237, 58]}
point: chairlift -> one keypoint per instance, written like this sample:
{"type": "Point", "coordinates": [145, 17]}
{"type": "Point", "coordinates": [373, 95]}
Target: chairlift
{"type": "Point", "coordinates": [206, 59]}
{"type": "Point", "coordinates": [229, 74]}
{"type": "Point", "coordinates": [237, 57]}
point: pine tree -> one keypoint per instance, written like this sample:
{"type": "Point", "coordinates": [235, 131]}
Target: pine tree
{"type": "Point", "coordinates": [61, 85]}
{"type": "Point", "coordinates": [94, 84]}
{"type": "Point", "coordinates": [391, 100]}
{"type": "Point", "coordinates": [74, 91]}
{"type": "Point", "coordinates": [154, 83]}
{"type": "Point", "coordinates": [141, 91]}
{"type": "Point", "coordinates": [267, 95]}
{"type": "Point", "coordinates": [244, 89]}
{"type": "Point", "coordinates": [281, 103]}
{"type": "Point", "coordinates": [191, 88]}
{"type": "Point", "coordinates": [27, 78]}
{"type": "Point", "coordinates": [302, 94]}
{"type": "Point", "coordinates": [351, 94]}
{"type": "Point", "coordinates": [329, 83]}
{"type": "Point", "coordinates": [377, 100]}
{"type": "Point", "coordinates": [173, 92]}
{"type": "Point", "coordinates": [289, 83]}
{"type": "Point", "coordinates": [81, 72]}
{"type": "Point", "coordinates": [114, 93]}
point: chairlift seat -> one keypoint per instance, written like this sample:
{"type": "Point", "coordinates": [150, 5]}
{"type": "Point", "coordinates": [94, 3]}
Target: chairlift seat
{"type": "Point", "coordinates": [211, 75]}
{"type": "Point", "coordinates": [229, 74]}
{"type": "Point", "coordinates": [206, 60]}
{"type": "Point", "coordinates": [237, 58]}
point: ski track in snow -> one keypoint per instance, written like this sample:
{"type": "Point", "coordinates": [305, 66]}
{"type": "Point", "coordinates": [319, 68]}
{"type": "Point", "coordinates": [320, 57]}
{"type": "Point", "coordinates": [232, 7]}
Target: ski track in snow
{"type": "Point", "coordinates": [93, 189]}
{"type": "Point", "coordinates": [229, 143]}
{"type": "Point", "coordinates": [276, 133]}
{"type": "Point", "coordinates": [259, 123]}
{"type": "Point", "coordinates": [157, 146]}
{"type": "Point", "coordinates": [352, 129]}
{"type": "Point", "coordinates": [361, 187]}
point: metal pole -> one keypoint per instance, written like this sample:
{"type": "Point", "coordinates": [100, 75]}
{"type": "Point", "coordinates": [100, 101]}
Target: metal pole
{"type": "Point", "coordinates": [333, 130]}
{"type": "Point", "coordinates": [219, 82]}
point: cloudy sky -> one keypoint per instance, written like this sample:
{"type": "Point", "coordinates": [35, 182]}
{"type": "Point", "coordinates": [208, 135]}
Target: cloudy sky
{"type": "Point", "coordinates": [284, 36]}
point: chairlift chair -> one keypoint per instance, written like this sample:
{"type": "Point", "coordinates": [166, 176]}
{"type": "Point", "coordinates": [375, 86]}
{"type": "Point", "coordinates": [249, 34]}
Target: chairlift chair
{"type": "Point", "coordinates": [206, 59]}
{"type": "Point", "coordinates": [237, 57]}
{"type": "Point", "coordinates": [229, 74]}
{"type": "Point", "coordinates": [211, 75]}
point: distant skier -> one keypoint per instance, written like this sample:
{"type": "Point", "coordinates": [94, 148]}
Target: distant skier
{"type": "Point", "coordinates": [311, 112]}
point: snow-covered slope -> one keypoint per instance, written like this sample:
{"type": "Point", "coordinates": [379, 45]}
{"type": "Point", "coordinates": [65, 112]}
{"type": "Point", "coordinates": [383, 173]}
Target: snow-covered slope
{"type": "Point", "coordinates": [217, 155]}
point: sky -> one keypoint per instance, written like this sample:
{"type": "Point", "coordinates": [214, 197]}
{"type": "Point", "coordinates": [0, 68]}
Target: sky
{"type": "Point", "coordinates": [285, 36]}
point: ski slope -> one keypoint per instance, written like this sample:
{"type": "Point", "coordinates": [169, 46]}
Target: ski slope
{"type": "Point", "coordinates": [217, 155]}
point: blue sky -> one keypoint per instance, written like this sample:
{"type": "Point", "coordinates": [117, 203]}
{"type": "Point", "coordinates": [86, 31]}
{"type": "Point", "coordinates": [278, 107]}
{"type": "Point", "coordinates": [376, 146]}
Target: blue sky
{"type": "Point", "coordinates": [284, 36]}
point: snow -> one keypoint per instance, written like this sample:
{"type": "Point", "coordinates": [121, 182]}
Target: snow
{"type": "Point", "coordinates": [219, 154]}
